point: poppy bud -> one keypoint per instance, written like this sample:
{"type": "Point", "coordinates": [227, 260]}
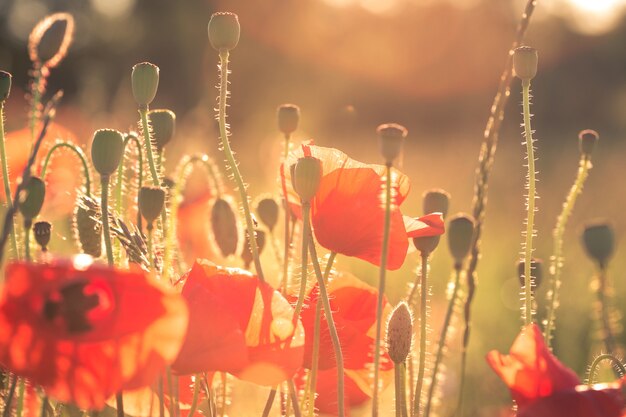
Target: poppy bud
{"type": "Point", "coordinates": [225, 229]}
{"type": "Point", "coordinates": [88, 226]}
{"type": "Point", "coordinates": [268, 209]}
{"type": "Point", "coordinates": [460, 237]}
{"type": "Point", "coordinates": [599, 242]}
{"type": "Point", "coordinates": [50, 39]}
{"type": "Point", "coordinates": [399, 333]}
{"type": "Point", "coordinates": [426, 244]}
{"type": "Point", "coordinates": [536, 272]}
{"type": "Point", "coordinates": [390, 139]}
{"type": "Point", "coordinates": [224, 31]}
{"type": "Point", "coordinates": [246, 252]}
{"type": "Point", "coordinates": [107, 149]}
{"type": "Point", "coordinates": [32, 198]}
{"type": "Point", "coordinates": [151, 201]}
{"type": "Point", "coordinates": [42, 231]}
{"type": "Point", "coordinates": [5, 85]}
{"type": "Point", "coordinates": [307, 174]}
{"type": "Point", "coordinates": [587, 140]}
{"type": "Point", "coordinates": [436, 201]}
{"type": "Point", "coordinates": [288, 118]}
{"type": "Point", "coordinates": [145, 81]}
{"type": "Point", "coordinates": [163, 124]}
{"type": "Point", "coordinates": [525, 62]}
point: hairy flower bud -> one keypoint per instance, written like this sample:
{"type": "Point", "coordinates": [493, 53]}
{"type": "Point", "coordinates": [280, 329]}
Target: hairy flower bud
{"type": "Point", "coordinates": [460, 237]}
{"type": "Point", "coordinates": [525, 61]}
{"type": "Point", "coordinates": [587, 140]}
{"type": "Point", "coordinates": [288, 118]}
{"type": "Point", "coordinates": [50, 39]}
{"type": "Point", "coordinates": [599, 242]}
{"type": "Point", "coordinates": [225, 227]}
{"type": "Point", "coordinates": [107, 149]}
{"type": "Point", "coordinates": [307, 174]}
{"type": "Point", "coordinates": [399, 333]}
{"type": "Point", "coordinates": [145, 82]}
{"type": "Point", "coordinates": [42, 231]}
{"type": "Point", "coordinates": [5, 85]}
{"type": "Point", "coordinates": [436, 201]}
{"type": "Point", "coordinates": [391, 139]}
{"type": "Point", "coordinates": [268, 210]}
{"type": "Point", "coordinates": [32, 198]}
{"type": "Point", "coordinates": [88, 226]}
{"type": "Point", "coordinates": [163, 124]}
{"type": "Point", "coordinates": [151, 201]}
{"type": "Point", "coordinates": [224, 31]}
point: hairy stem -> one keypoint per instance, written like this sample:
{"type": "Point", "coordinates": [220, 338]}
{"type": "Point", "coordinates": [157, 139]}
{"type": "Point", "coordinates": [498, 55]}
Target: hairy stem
{"type": "Point", "coordinates": [306, 210]}
{"type": "Point", "coordinates": [79, 153]}
{"type": "Point", "coordinates": [421, 367]}
{"type": "Point", "coordinates": [400, 389]}
{"type": "Point", "coordinates": [593, 368]}
{"type": "Point", "coordinates": [104, 204]}
{"type": "Point", "coordinates": [6, 181]}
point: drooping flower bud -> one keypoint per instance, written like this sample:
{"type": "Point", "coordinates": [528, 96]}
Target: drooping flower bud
{"type": "Point", "coordinates": [268, 209]}
{"type": "Point", "coordinates": [42, 231]}
{"type": "Point", "coordinates": [426, 244]}
{"type": "Point", "coordinates": [536, 272]}
{"type": "Point", "coordinates": [599, 242]}
{"type": "Point", "coordinates": [5, 85]}
{"type": "Point", "coordinates": [460, 237]}
{"type": "Point", "coordinates": [246, 252]}
{"type": "Point", "coordinates": [525, 60]}
{"type": "Point", "coordinates": [224, 31]}
{"type": "Point", "coordinates": [151, 201]}
{"type": "Point", "coordinates": [288, 118]}
{"type": "Point", "coordinates": [436, 200]}
{"type": "Point", "coordinates": [145, 82]}
{"type": "Point", "coordinates": [587, 140]}
{"type": "Point", "coordinates": [306, 176]}
{"type": "Point", "coordinates": [391, 139]}
{"type": "Point", "coordinates": [163, 124]}
{"type": "Point", "coordinates": [399, 333]}
{"type": "Point", "coordinates": [107, 149]}
{"type": "Point", "coordinates": [32, 198]}
{"type": "Point", "coordinates": [50, 39]}
{"type": "Point", "coordinates": [88, 226]}
{"type": "Point", "coordinates": [225, 227]}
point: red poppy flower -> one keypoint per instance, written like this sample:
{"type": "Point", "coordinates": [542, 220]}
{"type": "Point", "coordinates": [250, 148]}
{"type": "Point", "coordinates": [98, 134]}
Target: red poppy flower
{"type": "Point", "coordinates": [85, 332]}
{"type": "Point", "coordinates": [429, 225]}
{"type": "Point", "coordinates": [543, 387]}
{"type": "Point", "coordinates": [193, 229]}
{"type": "Point", "coordinates": [231, 331]}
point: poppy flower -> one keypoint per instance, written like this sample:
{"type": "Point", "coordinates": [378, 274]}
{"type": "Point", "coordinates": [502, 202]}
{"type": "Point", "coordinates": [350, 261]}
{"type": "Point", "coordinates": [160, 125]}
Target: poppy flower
{"type": "Point", "coordinates": [84, 332]}
{"type": "Point", "coordinates": [193, 229]}
{"type": "Point", "coordinates": [231, 330]}
{"type": "Point", "coordinates": [543, 387]}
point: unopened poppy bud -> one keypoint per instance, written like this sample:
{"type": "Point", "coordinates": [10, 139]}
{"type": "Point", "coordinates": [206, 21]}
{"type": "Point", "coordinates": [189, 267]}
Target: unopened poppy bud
{"type": "Point", "coordinates": [599, 242]}
{"type": "Point", "coordinates": [107, 149]}
{"type": "Point", "coordinates": [50, 39]}
{"type": "Point", "coordinates": [32, 198]}
{"type": "Point", "coordinates": [426, 244]}
{"type": "Point", "coordinates": [525, 60]}
{"type": "Point", "coordinates": [163, 124]}
{"type": "Point", "coordinates": [88, 226]}
{"type": "Point", "coordinates": [536, 272]}
{"type": "Point", "coordinates": [460, 237]}
{"type": "Point", "coordinates": [436, 201]}
{"type": "Point", "coordinates": [42, 231]}
{"type": "Point", "coordinates": [307, 175]}
{"type": "Point", "coordinates": [268, 209]}
{"type": "Point", "coordinates": [224, 31]}
{"type": "Point", "coordinates": [390, 139]}
{"type": "Point", "coordinates": [288, 118]}
{"type": "Point", "coordinates": [145, 81]}
{"type": "Point", "coordinates": [225, 228]}
{"type": "Point", "coordinates": [587, 140]}
{"type": "Point", "coordinates": [399, 333]}
{"type": "Point", "coordinates": [151, 201]}
{"type": "Point", "coordinates": [5, 85]}
{"type": "Point", "coordinates": [246, 252]}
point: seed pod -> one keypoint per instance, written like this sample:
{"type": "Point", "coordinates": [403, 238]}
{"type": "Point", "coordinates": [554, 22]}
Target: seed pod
{"type": "Point", "coordinates": [246, 252]}
{"type": "Point", "coordinates": [288, 118]}
{"type": "Point", "coordinates": [224, 31]}
{"type": "Point", "coordinates": [145, 82]}
{"type": "Point", "coordinates": [307, 175]}
{"type": "Point", "coordinates": [107, 149]}
{"type": "Point", "coordinates": [50, 39]}
{"type": "Point", "coordinates": [525, 60]}
{"type": "Point", "coordinates": [391, 139]}
{"type": "Point", "coordinates": [163, 124]}
{"type": "Point", "coordinates": [88, 226]}
{"type": "Point", "coordinates": [426, 244]}
{"type": "Point", "coordinates": [5, 85]}
{"type": "Point", "coordinates": [536, 272]}
{"type": "Point", "coordinates": [151, 201]}
{"type": "Point", "coordinates": [399, 333]}
{"type": "Point", "coordinates": [42, 231]}
{"type": "Point", "coordinates": [436, 200]}
{"type": "Point", "coordinates": [460, 237]}
{"type": "Point", "coordinates": [225, 227]}
{"type": "Point", "coordinates": [32, 198]}
{"type": "Point", "coordinates": [268, 209]}
{"type": "Point", "coordinates": [587, 140]}
{"type": "Point", "coordinates": [599, 242]}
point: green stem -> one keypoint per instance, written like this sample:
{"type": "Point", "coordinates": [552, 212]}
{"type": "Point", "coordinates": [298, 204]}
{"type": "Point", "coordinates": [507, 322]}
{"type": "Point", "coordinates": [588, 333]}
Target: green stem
{"type": "Point", "coordinates": [79, 153]}
{"type": "Point", "coordinates": [442, 339]}
{"type": "Point", "coordinates": [232, 163]}
{"type": "Point", "coordinates": [119, 403]}
{"type": "Point", "coordinates": [400, 389]}
{"type": "Point", "coordinates": [381, 288]}
{"type": "Point", "coordinates": [530, 205]}
{"type": "Point", "coordinates": [104, 204]}
{"type": "Point", "coordinates": [423, 329]}
{"type": "Point", "coordinates": [38, 86]}
{"type": "Point", "coordinates": [557, 257]}
{"type": "Point", "coordinates": [617, 364]}
{"type": "Point", "coordinates": [293, 394]}
{"type": "Point", "coordinates": [44, 406]}
{"type": "Point", "coordinates": [607, 331]}
{"type": "Point", "coordinates": [147, 139]}
{"type": "Point", "coordinates": [269, 402]}
{"type": "Point", "coordinates": [20, 397]}
{"type": "Point", "coordinates": [196, 395]}
{"type": "Point", "coordinates": [120, 176]}
{"type": "Point", "coordinates": [7, 183]}
{"type": "Point", "coordinates": [151, 245]}
{"type": "Point", "coordinates": [306, 209]}
{"type": "Point", "coordinates": [28, 225]}
{"type": "Point", "coordinates": [287, 215]}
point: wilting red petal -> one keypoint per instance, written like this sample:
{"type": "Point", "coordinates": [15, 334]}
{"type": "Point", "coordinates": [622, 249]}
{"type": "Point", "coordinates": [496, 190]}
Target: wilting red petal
{"type": "Point", "coordinates": [429, 225]}
{"type": "Point", "coordinates": [530, 370]}
{"type": "Point", "coordinates": [85, 332]}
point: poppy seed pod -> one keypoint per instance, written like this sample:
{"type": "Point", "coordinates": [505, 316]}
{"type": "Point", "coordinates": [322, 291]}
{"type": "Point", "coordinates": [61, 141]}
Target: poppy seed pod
{"type": "Point", "coordinates": [107, 149]}
{"type": "Point", "coordinates": [163, 124]}
{"type": "Point", "coordinates": [436, 200]}
{"type": "Point", "coordinates": [288, 118]}
{"type": "Point", "coordinates": [525, 60]}
{"type": "Point", "coordinates": [32, 198]}
{"type": "Point", "coordinates": [587, 140]}
{"type": "Point", "coordinates": [399, 333]}
{"type": "Point", "coordinates": [50, 39]}
{"type": "Point", "coordinates": [88, 226]}
{"type": "Point", "coordinates": [225, 228]}
{"type": "Point", "coordinates": [426, 244]}
{"type": "Point", "coordinates": [268, 209]}
{"type": "Point", "coordinates": [42, 231]}
{"type": "Point", "coordinates": [390, 139]}
{"type": "Point", "coordinates": [536, 272]}
{"type": "Point", "coordinates": [307, 174]}
{"type": "Point", "coordinates": [224, 31]}
{"type": "Point", "coordinates": [246, 252]}
{"type": "Point", "coordinates": [599, 242]}
{"type": "Point", "coordinates": [460, 237]}
{"type": "Point", "coordinates": [145, 82]}
{"type": "Point", "coordinates": [5, 85]}
{"type": "Point", "coordinates": [151, 201]}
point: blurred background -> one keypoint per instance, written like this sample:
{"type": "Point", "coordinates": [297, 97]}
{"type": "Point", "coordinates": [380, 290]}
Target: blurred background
{"type": "Point", "coordinates": [431, 65]}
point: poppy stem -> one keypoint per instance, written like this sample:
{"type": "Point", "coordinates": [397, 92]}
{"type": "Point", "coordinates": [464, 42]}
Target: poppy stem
{"type": "Point", "coordinates": [44, 406]}
{"type": "Point", "coordinates": [150, 228]}
{"type": "Point", "coordinates": [306, 210]}
{"type": "Point", "coordinates": [21, 386]}
{"type": "Point", "coordinates": [400, 389]}
{"type": "Point", "coordinates": [28, 225]}
{"type": "Point", "coordinates": [593, 368]}
{"type": "Point", "coordinates": [119, 403]}
{"type": "Point", "coordinates": [79, 153]}
{"type": "Point", "coordinates": [104, 203]}
{"type": "Point", "coordinates": [7, 183]}
{"type": "Point", "coordinates": [608, 334]}
{"type": "Point", "coordinates": [269, 403]}
{"type": "Point", "coordinates": [223, 88]}
{"type": "Point", "coordinates": [147, 140]}
{"type": "Point", "coordinates": [381, 288]}
{"type": "Point", "coordinates": [37, 89]}
{"type": "Point", "coordinates": [120, 176]}
{"type": "Point", "coordinates": [294, 398]}
{"type": "Point", "coordinates": [421, 367]}
{"type": "Point", "coordinates": [9, 399]}
{"type": "Point", "coordinates": [161, 390]}
{"type": "Point", "coordinates": [196, 395]}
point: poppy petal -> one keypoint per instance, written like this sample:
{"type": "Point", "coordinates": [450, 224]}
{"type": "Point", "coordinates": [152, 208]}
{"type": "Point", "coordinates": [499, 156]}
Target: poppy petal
{"type": "Point", "coordinates": [429, 225]}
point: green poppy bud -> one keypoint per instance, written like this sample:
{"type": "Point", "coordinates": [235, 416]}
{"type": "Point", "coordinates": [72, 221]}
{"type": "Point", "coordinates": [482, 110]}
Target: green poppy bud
{"type": "Point", "coordinates": [599, 242]}
{"type": "Point", "coordinates": [587, 140]}
{"type": "Point", "coordinates": [525, 61]}
{"type": "Point", "coordinates": [107, 149]}
{"type": "Point", "coordinates": [307, 175]}
{"type": "Point", "coordinates": [225, 227]}
{"type": "Point", "coordinates": [151, 201]}
{"type": "Point", "coordinates": [426, 244]}
{"type": "Point", "coordinates": [460, 237]}
{"type": "Point", "coordinates": [163, 124]}
{"type": "Point", "coordinates": [42, 231]}
{"type": "Point", "coordinates": [399, 333]}
{"type": "Point", "coordinates": [5, 85]}
{"type": "Point", "coordinates": [50, 39]}
{"type": "Point", "coordinates": [32, 198]}
{"type": "Point", "coordinates": [288, 118]}
{"type": "Point", "coordinates": [145, 82]}
{"type": "Point", "coordinates": [391, 139]}
{"type": "Point", "coordinates": [268, 210]}
{"type": "Point", "coordinates": [436, 201]}
{"type": "Point", "coordinates": [224, 31]}
{"type": "Point", "coordinates": [536, 273]}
